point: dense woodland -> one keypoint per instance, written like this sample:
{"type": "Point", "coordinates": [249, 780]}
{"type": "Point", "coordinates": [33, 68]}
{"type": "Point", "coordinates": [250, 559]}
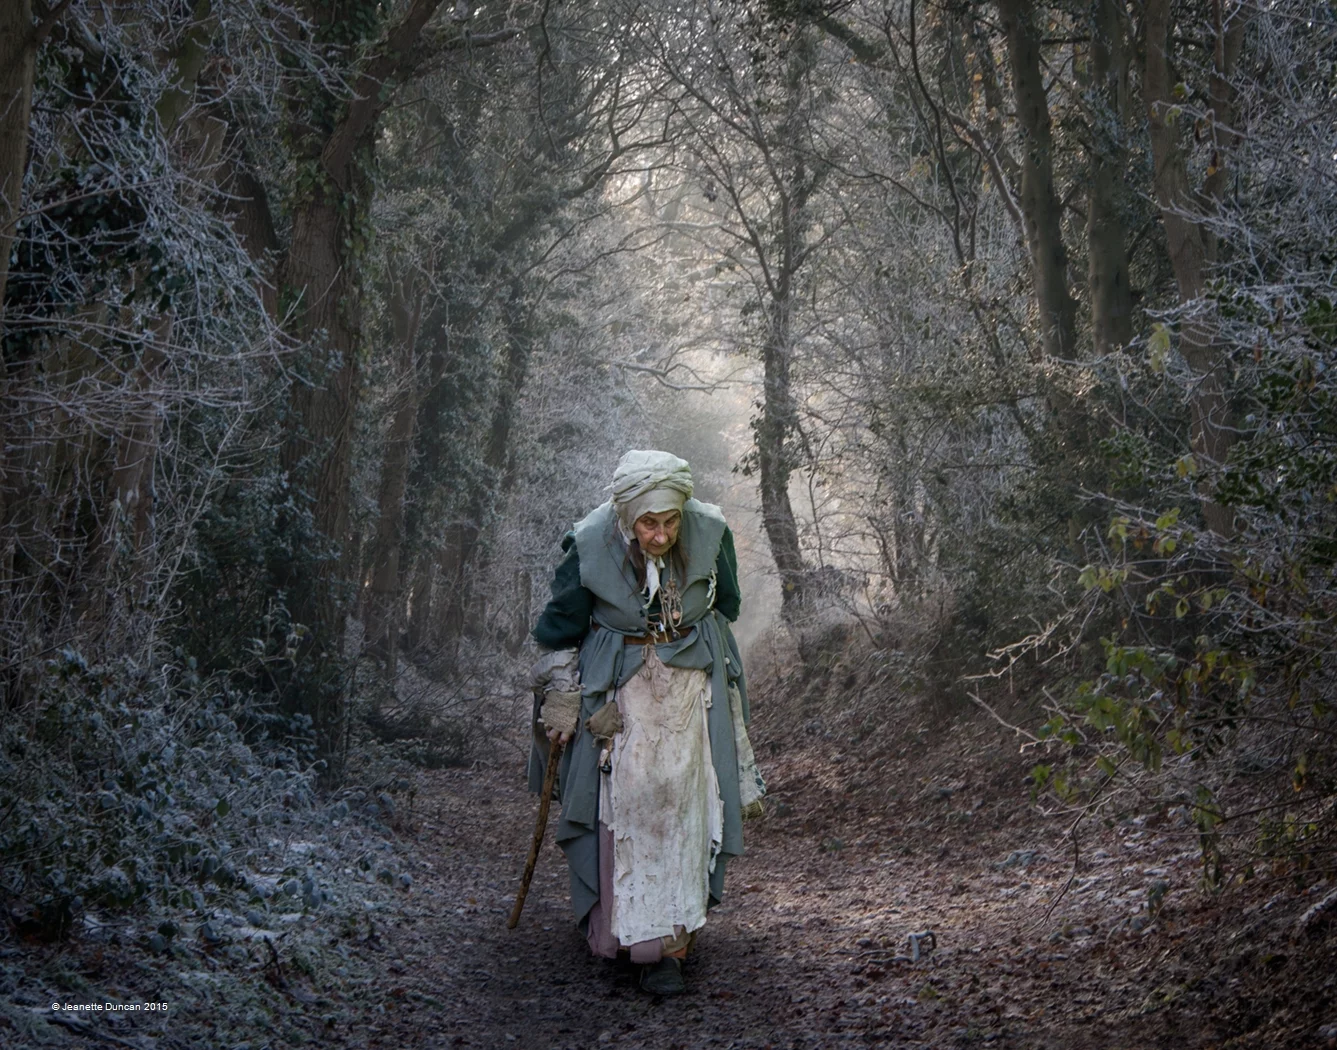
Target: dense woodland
{"type": "Point", "coordinates": [324, 319]}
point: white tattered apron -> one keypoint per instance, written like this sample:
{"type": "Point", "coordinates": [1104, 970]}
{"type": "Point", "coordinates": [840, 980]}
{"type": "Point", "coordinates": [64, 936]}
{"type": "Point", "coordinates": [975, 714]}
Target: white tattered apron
{"type": "Point", "coordinates": [661, 801]}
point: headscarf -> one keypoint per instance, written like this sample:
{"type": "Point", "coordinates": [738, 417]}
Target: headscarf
{"type": "Point", "coordinates": [649, 482]}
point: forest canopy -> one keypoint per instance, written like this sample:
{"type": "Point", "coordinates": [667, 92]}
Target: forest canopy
{"type": "Point", "coordinates": [1013, 324]}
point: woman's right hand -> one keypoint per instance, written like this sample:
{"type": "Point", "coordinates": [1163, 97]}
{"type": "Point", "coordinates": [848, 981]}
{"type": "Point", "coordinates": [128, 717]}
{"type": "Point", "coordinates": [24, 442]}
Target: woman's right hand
{"type": "Point", "coordinates": [560, 713]}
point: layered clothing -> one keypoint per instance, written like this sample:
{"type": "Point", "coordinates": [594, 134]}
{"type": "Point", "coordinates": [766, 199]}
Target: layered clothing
{"type": "Point", "coordinates": [707, 709]}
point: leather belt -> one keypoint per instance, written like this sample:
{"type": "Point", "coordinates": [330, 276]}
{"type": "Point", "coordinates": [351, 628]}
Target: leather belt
{"type": "Point", "coordinates": [654, 638]}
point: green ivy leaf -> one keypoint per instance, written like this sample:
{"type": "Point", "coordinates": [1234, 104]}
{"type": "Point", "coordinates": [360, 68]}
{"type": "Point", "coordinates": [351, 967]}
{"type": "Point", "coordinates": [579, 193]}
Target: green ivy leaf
{"type": "Point", "coordinates": [1158, 347]}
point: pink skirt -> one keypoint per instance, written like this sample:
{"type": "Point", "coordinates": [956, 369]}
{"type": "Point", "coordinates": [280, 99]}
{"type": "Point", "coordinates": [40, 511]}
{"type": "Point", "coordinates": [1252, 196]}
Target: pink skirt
{"type": "Point", "coordinates": [600, 930]}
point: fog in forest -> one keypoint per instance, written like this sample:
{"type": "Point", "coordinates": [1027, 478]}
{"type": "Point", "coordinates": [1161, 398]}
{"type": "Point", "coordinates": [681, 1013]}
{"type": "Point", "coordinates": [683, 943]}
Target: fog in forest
{"type": "Point", "coordinates": [1003, 333]}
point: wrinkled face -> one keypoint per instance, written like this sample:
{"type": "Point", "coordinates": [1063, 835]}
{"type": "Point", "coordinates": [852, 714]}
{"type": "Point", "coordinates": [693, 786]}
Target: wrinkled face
{"type": "Point", "coordinates": [656, 533]}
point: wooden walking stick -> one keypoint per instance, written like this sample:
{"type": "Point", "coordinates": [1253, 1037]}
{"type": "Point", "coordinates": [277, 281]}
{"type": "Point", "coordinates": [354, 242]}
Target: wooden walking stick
{"type": "Point", "coordinates": [545, 798]}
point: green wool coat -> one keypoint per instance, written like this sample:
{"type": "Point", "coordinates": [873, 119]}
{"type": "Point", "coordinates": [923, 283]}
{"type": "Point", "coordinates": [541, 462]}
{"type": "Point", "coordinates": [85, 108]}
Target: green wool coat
{"type": "Point", "coordinates": [616, 603]}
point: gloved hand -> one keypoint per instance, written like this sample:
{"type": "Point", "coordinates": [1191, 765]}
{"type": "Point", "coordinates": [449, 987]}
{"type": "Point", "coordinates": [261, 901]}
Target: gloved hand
{"type": "Point", "coordinates": [557, 674]}
{"type": "Point", "coordinates": [606, 722]}
{"type": "Point", "coordinates": [560, 712]}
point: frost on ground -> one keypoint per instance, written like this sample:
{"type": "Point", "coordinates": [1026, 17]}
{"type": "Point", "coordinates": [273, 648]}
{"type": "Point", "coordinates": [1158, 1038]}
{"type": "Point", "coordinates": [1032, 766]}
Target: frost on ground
{"type": "Point", "coordinates": [898, 893]}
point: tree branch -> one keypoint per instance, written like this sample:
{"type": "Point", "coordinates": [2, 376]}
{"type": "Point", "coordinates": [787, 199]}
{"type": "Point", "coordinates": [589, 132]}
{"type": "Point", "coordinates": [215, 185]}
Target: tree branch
{"type": "Point", "coordinates": [371, 89]}
{"type": "Point", "coordinates": [978, 143]}
{"type": "Point", "coordinates": [49, 19]}
{"type": "Point", "coordinates": [864, 51]}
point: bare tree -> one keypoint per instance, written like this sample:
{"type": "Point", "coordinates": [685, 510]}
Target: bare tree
{"type": "Point", "coordinates": [405, 307]}
{"type": "Point", "coordinates": [1107, 251]}
{"type": "Point", "coordinates": [752, 146]}
{"type": "Point", "coordinates": [16, 73]}
{"type": "Point", "coordinates": [1191, 241]}
{"type": "Point", "coordinates": [1039, 199]}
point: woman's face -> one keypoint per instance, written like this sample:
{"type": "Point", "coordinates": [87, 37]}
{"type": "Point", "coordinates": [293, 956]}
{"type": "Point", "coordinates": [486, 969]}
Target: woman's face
{"type": "Point", "coordinates": [656, 533]}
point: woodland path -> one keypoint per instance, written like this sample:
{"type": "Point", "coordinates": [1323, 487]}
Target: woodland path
{"type": "Point", "coordinates": [801, 952]}
{"type": "Point", "coordinates": [863, 843]}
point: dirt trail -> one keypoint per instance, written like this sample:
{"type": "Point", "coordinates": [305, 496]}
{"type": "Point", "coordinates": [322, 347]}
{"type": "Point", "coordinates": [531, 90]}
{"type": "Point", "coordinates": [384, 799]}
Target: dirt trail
{"type": "Point", "coordinates": [863, 844]}
{"type": "Point", "coordinates": [808, 948]}
{"type": "Point", "coordinates": [774, 967]}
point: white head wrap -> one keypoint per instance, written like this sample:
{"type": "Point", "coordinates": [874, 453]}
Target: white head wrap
{"type": "Point", "coordinates": [649, 482]}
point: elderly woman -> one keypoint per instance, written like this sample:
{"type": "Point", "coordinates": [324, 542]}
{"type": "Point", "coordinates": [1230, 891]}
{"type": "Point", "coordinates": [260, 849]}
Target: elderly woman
{"type": "Point", "coordinates": [645, 680]}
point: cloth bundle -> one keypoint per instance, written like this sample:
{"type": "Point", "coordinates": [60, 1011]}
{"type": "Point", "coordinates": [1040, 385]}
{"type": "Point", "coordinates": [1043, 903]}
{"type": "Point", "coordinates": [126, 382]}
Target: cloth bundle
{"type": "Point", "coordinates": [557, 675]}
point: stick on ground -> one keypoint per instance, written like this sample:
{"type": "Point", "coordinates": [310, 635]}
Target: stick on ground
{"type": "Point", "coordinates": [545, 799]}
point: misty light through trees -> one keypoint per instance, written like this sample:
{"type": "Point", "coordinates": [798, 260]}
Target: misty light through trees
{"type": "Point", "coordinates": [1003, 333]}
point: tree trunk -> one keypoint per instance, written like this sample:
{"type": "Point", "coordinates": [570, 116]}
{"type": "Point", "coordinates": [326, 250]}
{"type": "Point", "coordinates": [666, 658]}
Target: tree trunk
{"type": "Point", "coordinates": [524, 599]}
{"type": "Point", "coordinates": [1039, 201]}
{"type": "Point", "coordinates": [778, 424]}
{"type": "Point", "coordinates": [454, 606]}
{"type": "Point", "coordinates": [186, 63]}
{"type": "Point", "coordinates": [17, 59]}
{"type": "Point", "coordinates": [18, 56]}
{"type": "Point", "coordinates": [382, 623]}
{"type": "Point", "coordinates": [245, 204]}
{"type": "Point", "coordinates": [425, 475]}
{"type": "Point", "coordinates": [137, 447]}
{"type": "Point", "coordinates": [464, 558]}
{"type": "Point", "coordinates": [117, 572]}
{"type": "Point", "coordinates": [420, 601]}
{"type": "Point", "coordinates": [316, 452]}
{"type": "Point", "coordinates": [321, 276]}
{"type": "Point", "coordinates": [994, 108]}
{"type": "Point", "coordinates": [1111, 296]}
{"type": "Point", "coordinates": [774, 431]}
{"type": "Point", "coordinates": [1191, 244]}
